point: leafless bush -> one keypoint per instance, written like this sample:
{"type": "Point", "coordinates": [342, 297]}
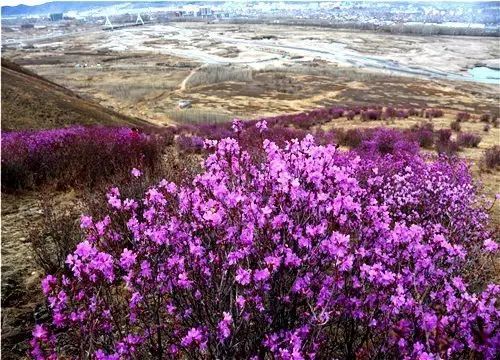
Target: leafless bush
{"type": "Point", "coordinates": [463, 116]}
{"type": "Point", "coordinates": [485, 118]}
{"type": "Point", "coordinates": [468, 140]}
{"type": "Point", "coordinates": [433, 113]}
{"type": "Point", "coordinates": [56, 236]}
{"type": "Point", "coordinates": [455, 126]}
{"type": "Point", "coordinates": [491, 158]}
{"type": "Point", "coordinates": [351, 138]}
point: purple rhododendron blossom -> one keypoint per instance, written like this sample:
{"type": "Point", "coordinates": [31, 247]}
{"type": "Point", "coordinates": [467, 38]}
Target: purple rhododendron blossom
{"type": "Point", "coordinates": [136, 172]}
{"type": "Point", "coordinates": [297, 251]}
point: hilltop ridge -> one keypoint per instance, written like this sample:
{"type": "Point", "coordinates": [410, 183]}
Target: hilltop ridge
{"type": "Point", "coordinates": [30, 101]}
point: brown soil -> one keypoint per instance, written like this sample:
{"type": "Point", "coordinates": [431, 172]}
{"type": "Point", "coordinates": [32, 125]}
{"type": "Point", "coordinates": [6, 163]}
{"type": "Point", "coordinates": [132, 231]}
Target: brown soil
{"type": "Point", "coordinates": [22, 299]}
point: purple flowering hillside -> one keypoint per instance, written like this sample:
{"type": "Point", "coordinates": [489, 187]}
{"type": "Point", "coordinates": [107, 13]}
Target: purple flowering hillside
{"type": "Point", "coordinates": [302, 252]}
{"type": "Point", "coordinates": [74, 156]}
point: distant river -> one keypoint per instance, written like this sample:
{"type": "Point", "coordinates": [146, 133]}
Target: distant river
{"type": "Point", "coordinates": [485, 74]}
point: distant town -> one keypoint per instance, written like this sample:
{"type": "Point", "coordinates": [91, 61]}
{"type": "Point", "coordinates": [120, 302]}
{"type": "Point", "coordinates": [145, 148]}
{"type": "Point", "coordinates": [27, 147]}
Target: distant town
{"type": "Point", "coordinates": [427, 18]}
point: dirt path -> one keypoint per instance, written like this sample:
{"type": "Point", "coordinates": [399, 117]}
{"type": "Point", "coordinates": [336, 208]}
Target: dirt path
{"type": "Point", "coordinates": [21, 294]}
{"type": "Point", "coordinates": [20, 277]}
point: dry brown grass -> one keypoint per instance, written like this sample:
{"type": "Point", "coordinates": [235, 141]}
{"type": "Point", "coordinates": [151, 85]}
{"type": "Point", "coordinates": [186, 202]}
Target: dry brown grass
{"type": "Point", "coordinates": [214, 74]}
{"type": "Point", "coordinates": [196, 116]}
{"type": "Point", "coordinates": [32, 102]}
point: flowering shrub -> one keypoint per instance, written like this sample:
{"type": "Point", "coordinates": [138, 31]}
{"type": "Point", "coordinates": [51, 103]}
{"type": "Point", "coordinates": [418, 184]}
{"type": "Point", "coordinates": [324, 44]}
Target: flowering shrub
{"type": "Point", "coordinates": [387, 141]}
{"type": "Point", "coordinates": [309, 252]}
{"type": "Point", "coordinates": [75, 155]}
{"type": "Point", "coordinates": [468, 139]}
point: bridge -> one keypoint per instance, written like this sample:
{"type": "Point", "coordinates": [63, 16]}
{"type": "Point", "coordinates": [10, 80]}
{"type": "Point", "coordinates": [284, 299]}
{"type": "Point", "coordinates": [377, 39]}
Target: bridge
{"type": "Point", "coordinates": [108, 26]}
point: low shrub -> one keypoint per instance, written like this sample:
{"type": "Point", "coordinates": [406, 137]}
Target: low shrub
{"type": "Point", "coordinates": [310, 252]}
{"type": "Point", "coordinates": [413, 112]}
{"type": "Point", "coordinates": [390, 112]}
{"type": "Point", "coordinates": [424, 137]}
{"type": "Point", "coordinates": [448, 148]}
{"type": "Point", "coordinates": [444, 135]}
{"type": "Point", "coordinates": [427, 125]}
{"type": "Point", "coordinates": [371, 115]}
{"type": "Point", "coordinates": [75, 156]}
{"type": "Point", "coordinates": [189, 144]}
{"type": "Point", "coordinates": [423, 134]}
{"type": "Point", "coordinates": [351, 138]}
{"type": "Point", "coordinates": [322, 137]}
{"type": "Point", "coordinates": [455, 126]}
{"type": "Point", "coordinates": [336, 113]}
{"type": "Point", "coordinates": [491, 158]}
{"type": "Point", "coordinates": [485, 118]}
{"type": "Point", "coordinates": [463, 116]}
{"type": "Point", "coordinates": [433, 113]}
{"type": "Point", "coordinates": [387, 142]}
{"type": "Point", "coordinates": [486, 128]}
{"type": "Point", "coordinates": [468, 139]}
{"type": "Point", "coordinates": [444, 144]}
{"type": "Point", "coordinates": [350, 115]}
{"type": "Point", "coordinates": [402, 114]}
{"type": "Point", "coordinates": [56, 236]}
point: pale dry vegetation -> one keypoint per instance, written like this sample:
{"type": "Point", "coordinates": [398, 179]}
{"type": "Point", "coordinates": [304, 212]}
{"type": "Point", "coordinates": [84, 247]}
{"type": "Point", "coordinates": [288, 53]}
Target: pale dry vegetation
{"type": "Point", "coordinates": [213, 74]}
{"type": "Point", "coordinates": [197, 116]}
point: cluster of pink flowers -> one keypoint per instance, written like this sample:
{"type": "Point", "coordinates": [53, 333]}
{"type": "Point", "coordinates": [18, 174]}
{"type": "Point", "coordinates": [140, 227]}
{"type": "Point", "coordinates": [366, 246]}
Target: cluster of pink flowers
{"type": "Point", "coordinates": [306, 252]}
{"type": "Point", "coordinates": [286, 127]}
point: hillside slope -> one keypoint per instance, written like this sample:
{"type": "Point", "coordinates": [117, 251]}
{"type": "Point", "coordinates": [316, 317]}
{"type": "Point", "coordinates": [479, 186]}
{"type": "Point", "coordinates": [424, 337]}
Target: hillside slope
{"type": "Point", "coordinates": [31, 102]}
